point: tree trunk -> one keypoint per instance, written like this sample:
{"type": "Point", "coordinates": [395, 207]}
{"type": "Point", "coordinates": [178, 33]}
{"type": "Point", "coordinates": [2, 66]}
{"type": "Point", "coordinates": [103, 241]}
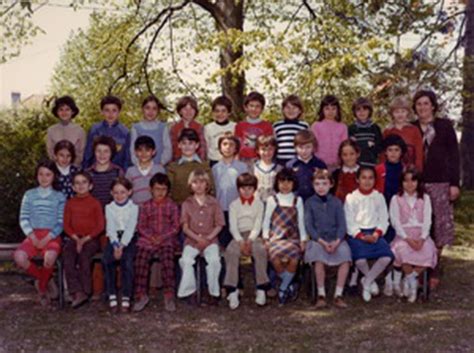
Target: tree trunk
{"type": "Point", "coordinates": [467, 139]}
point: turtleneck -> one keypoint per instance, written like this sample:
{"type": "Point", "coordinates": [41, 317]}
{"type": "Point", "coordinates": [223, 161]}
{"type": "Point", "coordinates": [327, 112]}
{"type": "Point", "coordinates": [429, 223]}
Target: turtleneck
{"type": "Point", "coordinates": [121, 204]}
{"type": "Point", "coordinates": [366, 192]}
{"type": "Point", "coordinates": [222, 123]}
{"type": "Point", "coordinates": [323, 198]}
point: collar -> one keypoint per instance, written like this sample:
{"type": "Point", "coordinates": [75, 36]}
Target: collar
{"type": "Point", "coordinates": [64, 170]}
{"type": "Point", "coordinates": [122, 204]}
{"type": "Point", "coordinates": [64, 123]}
{"type": "Point", "coordinates": [224, 123]}
{"type": "Point", "coordinates": [160, 202]}
{"type": "Point", "coordinates": [290, 121]}
{"type": "Point", "coordinates": [365, 192]}
{"type": "Point", "coordinates": [144, 171]}
{"type": "Point", "coordinates": [106, 124]}
{"type": "Point", "coordinates": [206, 198]}
{"type": "Point", "coordinates": [194, 158]}
{"type": "Point", "coordinates": [249, 200]}
{"type": "Point", "coordinates": [253, 121]}
{"type": "Point", "coordinates": [85, 196]}
{"type": "Point", "coordinates": [350, 170]}
{"type": "Point", "coordinates": [301, 161]}
{"type": "Point", "coordinates": [368, 123]}
{"type": "Point", "coordinates": [265, 171]}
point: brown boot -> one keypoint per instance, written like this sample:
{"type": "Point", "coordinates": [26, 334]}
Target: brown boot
{"type": "Point", "coordinates": [321, 302]}
{"type": "Point", "coordinates": [339, 303]}
{"type": "Point", "coordinates": [79, 299]}
{"type": "Point", "coordinates": [141, 303]}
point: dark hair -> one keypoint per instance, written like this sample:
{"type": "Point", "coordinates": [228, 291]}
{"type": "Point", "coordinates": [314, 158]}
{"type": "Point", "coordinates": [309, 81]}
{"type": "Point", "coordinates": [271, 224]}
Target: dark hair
{"type": "Point", "coordinates": [394, 140]}
{"type": "Point", "coordinates": [286, 174]}
{"type": "Point", "coordinates": [144, 141]}
{"type": "Point", "coordinates": [65, 100]}
{"type": "Point", "coordinates": [106, 141]}
{"type": "Point", "coordinates": [51, 165]}
{"type": "Point", "coordinates": [121, 180]}
{"type": "Point", "coordinates": [254, 96]}
{"type": "Point", "coordinates": [85, 175]}
{"type": "Point", "coordinates": [188, 134]}
{"type": "Point", "coordinates": [66, 145]}
{"type": "Point", "coordinates": [223, 101]}
{"type": "Point", "coordinates": [415, 175]}
{"type": "Point", "coordinates": [293, 99]}
{"type": "Point", "coordinates": [162, 179]}
{"type": "Point", "coordinates": [184, 101]}
{"type": "Point", "coordinates": [345, 143]}
{"type": "Point", "coordinates": [426, 93]}
{"type": "Point", "coordinates": [153, 98]}
{"type": "Point", "coordinates": [247, 179]}
{"type": "Point", "coordinates": [229, 136]}
{"type": "Point", "coordinates": [304, 137]}
{"type": "Point", "coordinates": [366, 167]}
{"type": "Point", "coordinates": [330, 100]}
{"type": "Point", "coordinates": [111, 100]}
{"type": "Point", "coordinates": [362, 102]}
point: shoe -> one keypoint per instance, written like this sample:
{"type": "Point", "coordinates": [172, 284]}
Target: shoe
{"type": "Point", "coordinates": [339, 303]}
{"type": "Point", "coordinates": [434, 283]}
{"type": "Point", "coordinates": [282, 297]}
{"type": "Point", "coordinates": [293, 292]}
{"type": "Point", "coordinates": [260, 297]}
{"type": "Point", "coordinates": [413, 290]}
{"type": "Point", "coordinates": [233, 299]}
{"type": "Point", "coordinates": [405, 287]}
{"type": "Point", "coordinates": [374, 289]}
{"type": "Point", "coordinates": [53, 290]}
{"type": "Point", "coordinates": [113, 303]}
{"type": "Point", "coordinates": [44, 300]}
{"type": "Point", "coordinates": [170, 304]}
{"type": "Point", "coordinates": [79, 299]}
{"type": "Point", "coordinates": [366, 293]}
{"type": "Point", "coordinates": [397, 290]}
{"type": "Point", "coordinates": [321, 302]}
{"type": "Point", "coordinates": [212, 301]}
{"type": "Point", "coordinates": [388, 289]}
{"type": "Point", "coordinates": [141, 303]}
{"type": "Point", "coordinates": [125, 305]}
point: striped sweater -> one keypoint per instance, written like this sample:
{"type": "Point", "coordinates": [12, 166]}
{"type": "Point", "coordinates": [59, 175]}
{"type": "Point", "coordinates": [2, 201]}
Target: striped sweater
{"type": "Point", "coordinates": [102, 182]}
{"type": "Point", "coordinates": [285, 131]}
{"type": "Point", "coordinates": [141, 182]}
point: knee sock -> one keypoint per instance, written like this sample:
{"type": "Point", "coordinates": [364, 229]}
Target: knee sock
{"type": "Point", "coordinates": [354, 276]}
{"type": "Point", "coordinates": [377, 269]}
{"type": "Point", "coordinates": [397, 276]}
{"type": "Point", "coordinates": [363, 266]}
{"type": "Point", "coordinates": [388, 278]}
{"type": "Point", "coordinates": [44, 279]}
{"type": "Point", "coordinates": [33, 271]}
{"type": "Point", "coordinates": [286, 278]}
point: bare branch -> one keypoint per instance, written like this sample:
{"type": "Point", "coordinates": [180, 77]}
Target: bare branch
{"type": "Point", "coordinates": [310, 9]}
{"type": "Point", "coordinates": [292, 18]}
{"type": "Point", "coordinates": [9, 8]}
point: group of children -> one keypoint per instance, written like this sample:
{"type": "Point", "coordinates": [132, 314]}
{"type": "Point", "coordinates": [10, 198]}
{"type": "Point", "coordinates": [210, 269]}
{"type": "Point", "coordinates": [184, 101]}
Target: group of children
{"type": "Point", "coordinates": [280, 194]}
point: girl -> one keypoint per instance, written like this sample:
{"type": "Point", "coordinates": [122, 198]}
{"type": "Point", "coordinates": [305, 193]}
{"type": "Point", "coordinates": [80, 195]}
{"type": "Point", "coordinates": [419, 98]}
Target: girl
{"type": "Point", "coordinates": [345, 177]}
{"type": "Point", "coordinates": [156, 129]}
{"type": "Point", "coordinates": [41, 220]}
{"type": "Point", "coordinates": [121, 216]}
{"type": "Point", "coordinates": [329, 131]}
{"type": "Point", "coordinates": [367, 222]}
{"type": "Point", "coordinates": [284, 231]}
{"type": "Point", "coordinates": [410, 215]}
{"type": "Point", "coordinates": [64, 156]}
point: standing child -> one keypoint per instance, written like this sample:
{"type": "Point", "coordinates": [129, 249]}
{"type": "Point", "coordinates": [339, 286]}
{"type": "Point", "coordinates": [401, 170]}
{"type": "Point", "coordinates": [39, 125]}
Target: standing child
{"type": "Point", "coordinates": [305, 163]}
{"type": "Point", "coordinates": [202, 220]}
{"type": "Point", "coordinates": [64, 156]}
{"type": "Point", "coordinates": [286, 129]}
{"type": "Point", "coordinates": [365, 132]}
{"type": "Point", "coordinates": [345, 177]}
{"type": "Point", "coordinates": [367, 221]}
{"type": "Point", "coordinates": [83, 223]}
{"type": "Point", "coordinates": [110, 107]}
{"type": "Point", "coordinates": [121, 216]}
{"type": "Point", "coordinates": [246, 214]}
{"type": "Point", "coordinates": [221, 112]}
{"type": "Point", "coordinates": [154, 128]}
{"type": "Point", "coordinates": [65, 109]}
{"type": "Point", "coordinates": [329, 131]}
{"type": "Point", "coordinates": [158, 227]}
{"type": "Point", "coordinates": [41, 220]}
{"type": "Point", "coordinates": [284, 231]}
{"type": "Point", "coordinates": [249, 130]}
{"type": "Point", "coordinates": [326, 226]}
{"type": "Point", "coordinates": [410, 214]}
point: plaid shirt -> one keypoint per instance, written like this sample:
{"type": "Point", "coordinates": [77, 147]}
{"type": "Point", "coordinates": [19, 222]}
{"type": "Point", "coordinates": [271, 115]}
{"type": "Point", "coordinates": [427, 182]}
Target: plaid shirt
{"type": "Point", "coordinates": [158, 222]}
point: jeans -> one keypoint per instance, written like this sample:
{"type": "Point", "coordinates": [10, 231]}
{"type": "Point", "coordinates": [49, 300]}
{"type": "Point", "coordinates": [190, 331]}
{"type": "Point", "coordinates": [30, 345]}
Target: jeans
{"type": "Point", "coordinates": [126, 266]}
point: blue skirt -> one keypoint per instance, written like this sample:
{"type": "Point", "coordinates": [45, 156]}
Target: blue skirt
{"type": "Point", "coordinates": [362, 250]}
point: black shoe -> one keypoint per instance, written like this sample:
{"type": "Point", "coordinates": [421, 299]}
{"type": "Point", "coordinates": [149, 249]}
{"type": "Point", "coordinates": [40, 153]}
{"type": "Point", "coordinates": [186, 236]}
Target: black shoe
{"type": "Point", "coordinates": [282, 297]}
{"type": "Point", "coordinates": [293, 292]}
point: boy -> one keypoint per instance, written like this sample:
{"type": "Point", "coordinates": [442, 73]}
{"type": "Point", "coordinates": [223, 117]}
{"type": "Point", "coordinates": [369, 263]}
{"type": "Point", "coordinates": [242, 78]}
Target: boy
{"type": "Point", "coordinates": [110, 107]}
{"type": "Point", "coordinates": [187, 109]}
{"type": "Point", "coordinates": [365, 132]}
{"type": "Point", "coordinates": [143, 171]}
{"type": "Point", "coordinates": [221, 110]}
{"type": "Point", "coordinates": [245, 217]}
{"type": "Point", "coordinates": [249, 130]}
{"type": "Point", "coordinates": [178, 171]}
{"type": "Point", "coordinates": [305, 163]}
{"type": "Point", "coordinates": [158, 226]}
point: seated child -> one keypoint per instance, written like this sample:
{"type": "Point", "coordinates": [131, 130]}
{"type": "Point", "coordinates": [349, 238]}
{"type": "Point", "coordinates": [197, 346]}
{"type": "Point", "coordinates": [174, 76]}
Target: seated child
{"type": "Point", "coordinates": [245, 216]}
{"type": "Point", "coordinates": [64, 156]}
{"type": "Point", "coordinates": [345, 177]}
{"type": "Point", "coordinates": [326, 226]}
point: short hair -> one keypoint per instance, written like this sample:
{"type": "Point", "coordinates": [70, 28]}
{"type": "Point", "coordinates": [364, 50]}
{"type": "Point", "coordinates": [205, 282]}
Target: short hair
{"type": "Point", "coordinates": [254, 96]}
{"type": "Point", "coordinates": [121, 180]}
{"type": "Point", "coordinates": [265, 141]}
{"type": "Point", "coordinates": [415, 175]}
{"type": "Point", "coordinates": [106, 141]}
{"type": "Point", "coordinates": [199, 174]}
{"type": "Point", "coordinates": [231, 137]}
{"type": "Point", "coordinates": [144, 141]}
{"type": "Point", "coordinates": [65, 100]}
{"type": "Point", "coordinates": [362, 102]}
{"type": "Point", "coordinates": [66, 145]}
{"type": "Point", "coordinates": [366, 167]}
{"type": "Point", "coordinates": [153, 98]}
{"type": "Point", "coordinates": [293, 99]}
{"type": "Point", "coordinates": [111, 100]}
{"type": "Point", "coordinates": [84, 174]}
{"type": "Point", "coordinates": [345, 143]}
{"type": "Point", "coordinates": [184, 101]}
{"type": "Point", "coordinates": [304, 137]}
{"type": "Point", "coordinates": [320, 174]}
{"type": "Point", "coordinates": [51, 166]}
{"type": "Point", "coordinates": [330, 100]}
{"type": "Point", "coordinates": [247, 179]}
{"type": "Point", "coordinates": [286, 174]}
{"type": "Point", "coordinates": [161, 179]}
{"type": "Point", "coordinates": [394, 140]}
{"type": "Point", "coordinates": [426, 93]}
{"type": "Point", "coordinates": [223, 101]}
{"type": "Point", "coordinates": [188, 134]}
{"type": "Point", "coordinates": [401, 102]}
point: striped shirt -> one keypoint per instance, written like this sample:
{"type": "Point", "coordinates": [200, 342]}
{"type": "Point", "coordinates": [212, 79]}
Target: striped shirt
{"type": "Point", "coordinates": [102, 182]}
{"type": "Point", "coordinates": [141, 181]}
{"type": "Point", "coordinates": [285, 132]}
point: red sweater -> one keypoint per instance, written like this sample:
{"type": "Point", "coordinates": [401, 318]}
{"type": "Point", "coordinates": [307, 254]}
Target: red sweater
{"type": "Point", "coordinates": [174, 135]}
{"type": "Point", "coordinates": [345, 183]}
{"type": "Point", "coordinates": [248, 133]}
{"type": "Point", "coordinates": [83, 216]}
{"type": "Point", "coordinates": [412, 137]}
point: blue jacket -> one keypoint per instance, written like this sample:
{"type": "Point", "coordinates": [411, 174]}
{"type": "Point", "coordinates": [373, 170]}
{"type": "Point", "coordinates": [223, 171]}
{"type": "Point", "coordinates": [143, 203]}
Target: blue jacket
{"type": "Point", "coordinates": [325, 219]}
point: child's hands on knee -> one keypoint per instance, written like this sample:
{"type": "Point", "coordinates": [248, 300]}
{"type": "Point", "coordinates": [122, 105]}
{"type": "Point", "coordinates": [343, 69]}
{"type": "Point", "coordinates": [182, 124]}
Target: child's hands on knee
{"type": "Point", "coordinates": [118, 251]}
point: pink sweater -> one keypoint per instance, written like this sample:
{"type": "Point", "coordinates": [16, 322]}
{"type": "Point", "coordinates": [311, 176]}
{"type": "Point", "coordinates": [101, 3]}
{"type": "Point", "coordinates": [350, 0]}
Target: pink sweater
{"type": "Point", "coordinates": [329, 134]}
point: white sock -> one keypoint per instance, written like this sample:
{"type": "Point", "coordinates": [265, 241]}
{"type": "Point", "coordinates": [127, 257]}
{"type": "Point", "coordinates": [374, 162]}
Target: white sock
{"type": "Point", "coordinates": [321, 291]}
{"type": "Point", "coordinates": [397, 277]}
{"type": "Point", "coordinates": [353, 281]}
{"type": "Point", "coordinates": [339, 291]}
{"type": "Point", "coordinates": [388, 277]}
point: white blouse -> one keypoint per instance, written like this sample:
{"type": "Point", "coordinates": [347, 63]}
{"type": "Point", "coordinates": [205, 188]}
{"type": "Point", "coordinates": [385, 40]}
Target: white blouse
{"type": "Point", "coordinates": [121, 218]}
{"type": "Point", "coordinates": [412, 220]}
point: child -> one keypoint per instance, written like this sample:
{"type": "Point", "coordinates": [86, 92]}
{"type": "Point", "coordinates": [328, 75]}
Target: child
{"type": "Point", "coordinates": [179, 171]}
{"type": "Point", "coordinates": [154, 128]}
{"type": "Point", "coordinates": [305, 163]}
{"type": "Point", "coordinates": [144, 169]}
{"type": "Point", "coordinates": [365, 132]}
{"type": "Point", "coordinates": [286, 129]}
{"type": "Point", "coordinates": [329, 131]}
{"type": "Point", "coordinates": [158, 227]}
{"type": "Point", "coordinates": [187, 109]}
{"type": "Point", "coordinates": [202, 220]}
{"type": "Point", "coordinates": [265, 169]}
{"type": "Point", "coordinates": [245, 216]}
{"type": "Point", "coordinates": [41, 220]}
{"type": "Point", "coordinates": [284, 231]}
{"type": "Point", "coordinates": [326, 226]}
{"type": "Point", "coordinates": [367, 221]}
{"type": "Point", "coordinates": [64, 156]}
{"type": "Point", "coordinates": [65, 109]}
{"type": "Point", "coordinates": [401, 113]}
{"type": "Point", "coordinates": [410, 214]}
{"type": "Point", "coordinates": [110, 107]}
{"type": "Point", "coordinates": [221, 111]}
{"type": "Point", "coordinates": [83, 223]}
{"type": "Point", "coordinates": [121, 216]}
{"type": "Point", "coordinates": [345, 177]}
{"type": "Point", "coordinates": [249, 130]}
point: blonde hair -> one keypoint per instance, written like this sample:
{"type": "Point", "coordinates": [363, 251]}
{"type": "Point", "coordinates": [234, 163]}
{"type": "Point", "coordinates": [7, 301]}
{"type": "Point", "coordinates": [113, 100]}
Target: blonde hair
{"type": "Point", "coordinates": [401, 102]}
{"type": "Point", "coordinates": [197, 175]}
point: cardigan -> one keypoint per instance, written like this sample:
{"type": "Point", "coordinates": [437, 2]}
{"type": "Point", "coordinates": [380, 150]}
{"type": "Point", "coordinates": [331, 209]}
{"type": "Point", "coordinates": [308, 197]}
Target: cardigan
{"type": "Point", "coordinates": [304, 174]}
{"type": "Point", "coordinates": [325, 219]}
{"type": "Point", "coordinates": [121, 218]}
